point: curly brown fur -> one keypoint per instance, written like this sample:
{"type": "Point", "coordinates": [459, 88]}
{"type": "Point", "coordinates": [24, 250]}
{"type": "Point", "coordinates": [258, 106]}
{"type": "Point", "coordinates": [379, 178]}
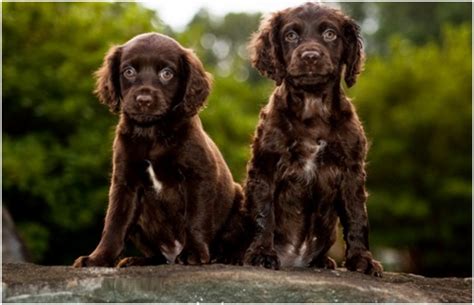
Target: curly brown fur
{"type": "Point", "coordinates": [308, 154]}
{"type": "Point", "coordinates": [171, 192]}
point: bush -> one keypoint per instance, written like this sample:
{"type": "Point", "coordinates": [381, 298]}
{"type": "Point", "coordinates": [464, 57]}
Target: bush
{"type": "Point", "coordinates": [416, 104]}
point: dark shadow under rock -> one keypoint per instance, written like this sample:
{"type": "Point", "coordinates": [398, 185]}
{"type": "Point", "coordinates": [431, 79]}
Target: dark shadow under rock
{"type": "Point", "coordinates": [221, 283]}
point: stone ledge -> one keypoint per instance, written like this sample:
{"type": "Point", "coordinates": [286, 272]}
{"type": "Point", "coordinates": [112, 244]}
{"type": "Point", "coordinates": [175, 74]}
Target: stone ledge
{"type": "Point", "coordinates": [221, 283]}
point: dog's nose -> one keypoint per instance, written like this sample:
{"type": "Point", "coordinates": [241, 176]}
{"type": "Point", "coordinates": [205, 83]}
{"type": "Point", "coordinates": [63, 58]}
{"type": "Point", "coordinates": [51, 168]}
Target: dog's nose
{"type": "Point", "coordinates": [144, 99]}
{"type": "Point", "coordinates": [311, 55]}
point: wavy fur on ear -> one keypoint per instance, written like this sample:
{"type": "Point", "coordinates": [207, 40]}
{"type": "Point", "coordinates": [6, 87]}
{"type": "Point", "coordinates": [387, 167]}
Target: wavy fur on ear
{"type": "Point", "coordinates": [198, 85]}
{"type": "Point", "coordinates": [353, 52]}
{"type": "Point", "coordinates": [265, 49]}
{"type": "Point", "coordinates": [108, 80]}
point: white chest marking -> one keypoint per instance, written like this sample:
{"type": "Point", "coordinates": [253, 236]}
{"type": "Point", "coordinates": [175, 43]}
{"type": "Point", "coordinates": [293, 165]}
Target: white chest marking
{"type": "Point", "coordinates": [157, 185]}
{"type": "Point", "coordinates": [310, 164]}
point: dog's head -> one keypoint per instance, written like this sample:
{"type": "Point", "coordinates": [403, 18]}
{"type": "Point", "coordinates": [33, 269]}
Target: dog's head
{"type": "Point", "coordinates": [308, 45]}
{"type": "Point", "coordinates": [150, 77]}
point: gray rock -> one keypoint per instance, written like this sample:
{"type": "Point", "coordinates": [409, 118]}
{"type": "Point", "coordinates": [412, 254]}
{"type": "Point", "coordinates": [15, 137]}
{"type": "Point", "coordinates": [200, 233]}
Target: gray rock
{"type": "Point", "coordinates": [13, 247]}
{"type": "Point", "coordinates": [221, 283]}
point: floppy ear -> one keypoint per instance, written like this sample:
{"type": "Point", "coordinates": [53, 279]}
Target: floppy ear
{"type": "Point", "coordinates": [108, 80]}
{"type": "Point", "coordinates": [197, 86]}
{"type": "Point", "coordinates": [353, 52]}
{"type": "Point", "coordinates": [265, 49]}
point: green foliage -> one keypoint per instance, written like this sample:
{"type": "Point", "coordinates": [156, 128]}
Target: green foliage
{"type": "Point", "coordinates": [238, 92]}
{"type": "Point", "coordinates": [231, 118]}
{"type": "Point", "coordinates": [419, 22]}
{"type": "Point", "coordinates": [416, 104]}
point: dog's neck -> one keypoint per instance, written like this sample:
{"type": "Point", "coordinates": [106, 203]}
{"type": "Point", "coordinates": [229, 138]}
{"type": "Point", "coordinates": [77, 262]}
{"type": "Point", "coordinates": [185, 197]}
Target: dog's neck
{"type": "Point", "coordinates": [164, 131]}
{"type": "Point", "coordinates": [310, 102]}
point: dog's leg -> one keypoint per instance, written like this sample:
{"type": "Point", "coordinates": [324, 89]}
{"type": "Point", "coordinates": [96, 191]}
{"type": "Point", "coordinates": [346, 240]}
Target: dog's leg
{"type": "Point", "coordinates": [117, 220]}
{"type": "Point", "coordinates": [259, 191]}
{"type": "Point", "coordinates": [198, 228]}
{"type": "Point", "coordinates": [233, 239]}
{"type": "Point", "coordinates": [323, 262]}
{"type": "Point", "coordinates": [120, 213]}
{"type": "Point", "coordinates": [353, 215]}
{"type": "Point", "coordinates": [321, 258]}
{"type": "Point", "coordinates": [146, 246]}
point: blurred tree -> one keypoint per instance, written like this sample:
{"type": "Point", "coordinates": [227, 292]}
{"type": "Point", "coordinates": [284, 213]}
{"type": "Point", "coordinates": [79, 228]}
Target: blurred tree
{"type": "Point", "coordinates": [238, 92]}
{"type": "Point", "coordinates": [231, 118]}
{"type": "Point", "coordinates": [222, 43]}
{"type": "Point", "coordinates": [419, 22]}
{"type": "Point", "coordinates": [56, 136]}
{"type": "Point", "coordinates": [416, 104]}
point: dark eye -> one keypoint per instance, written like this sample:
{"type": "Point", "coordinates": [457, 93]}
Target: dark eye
{"type": "Point", "coordinates": [129, 73]}
{"type": "Point", "coordinates": [329, 35]}
{"type": "Point", "coordinates": [166, 74]}
{"type": "Point", "coordinates": [291, 36]}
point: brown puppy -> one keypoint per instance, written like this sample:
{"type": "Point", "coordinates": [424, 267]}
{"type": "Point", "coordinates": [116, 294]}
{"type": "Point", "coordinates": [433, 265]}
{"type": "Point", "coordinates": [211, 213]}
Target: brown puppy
{"type": "Point", "coordinates": [308, 163]}
{"type": "Point", "coordinates": [171, 191]}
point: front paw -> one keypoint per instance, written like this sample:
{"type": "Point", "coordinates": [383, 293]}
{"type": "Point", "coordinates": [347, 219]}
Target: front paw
{"type": "Point", "coordinates": [132, 261]}
{"type": "Point", "coordinates": [91, 261]}
{"type": "Point", "coordinates": [364, 263]}
{"type": "Point", "coordinates": [193, 257]}
{"type": "Point", "coordinates": [324, 263]}
{"type": "Point", "coordinates": [141, 261]}
{"type": "Point", "coordinates": [264, 258]}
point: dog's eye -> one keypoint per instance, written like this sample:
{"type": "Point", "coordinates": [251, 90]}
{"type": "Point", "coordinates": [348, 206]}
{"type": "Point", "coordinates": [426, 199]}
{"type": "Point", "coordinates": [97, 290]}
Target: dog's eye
{"type": "Point", "coordinates": [129, 73]}
{"type": "Point", "coordinates": [166, 74]}
{"type": "Point", "coordinates": [329, 35]}
{"type": "Point", "coordinates": [291, 36]}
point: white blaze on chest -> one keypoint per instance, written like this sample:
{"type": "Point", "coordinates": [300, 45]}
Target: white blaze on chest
{"type": "Point", "coordinates": [157, 185]}
{"type": "Point", "coordinates": [310, 162]}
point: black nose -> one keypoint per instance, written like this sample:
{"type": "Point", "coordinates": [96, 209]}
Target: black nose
{"type": "Point", "coordinates": [144, 99]}
{"type": "Point", "coordinates": [311, 55]}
